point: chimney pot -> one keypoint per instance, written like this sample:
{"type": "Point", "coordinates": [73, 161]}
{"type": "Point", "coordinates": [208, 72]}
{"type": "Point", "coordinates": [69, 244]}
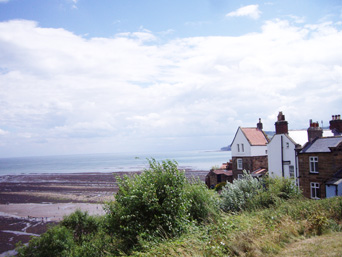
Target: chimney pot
{"type": "Point", "coordinates": [336, 125]}
{"type": "Point", "coordinates": [281, 126]}
{"type": "Point", "coordinates": [314, 131]}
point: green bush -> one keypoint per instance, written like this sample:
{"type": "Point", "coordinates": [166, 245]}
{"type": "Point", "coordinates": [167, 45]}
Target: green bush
{"type": "Point", "coordinates": [234, 196]}
{"type": "Point", "coordinates": [81, 224]}
{"type": "Point", "coordinates": [219, 186]}
{"type": "Point", "coordinates": [57, 241]}
{"type": "Point", "coordinates": [250, 193]}
{"type": "Point", "coordinates": [204, 203]}
{"type": "Point", "coordinates": [149, 205]}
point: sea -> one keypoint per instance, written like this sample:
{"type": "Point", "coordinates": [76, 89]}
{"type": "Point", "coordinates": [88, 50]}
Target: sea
{"type": "Point", "coordinates": [110, 162]}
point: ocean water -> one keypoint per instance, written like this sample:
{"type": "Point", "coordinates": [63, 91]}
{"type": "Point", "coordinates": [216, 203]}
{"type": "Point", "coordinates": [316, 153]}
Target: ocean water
{"type": "Point", "coordinates": [196, 160]}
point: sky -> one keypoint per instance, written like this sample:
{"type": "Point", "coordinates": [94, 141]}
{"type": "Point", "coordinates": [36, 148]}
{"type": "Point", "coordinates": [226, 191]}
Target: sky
{"type": "Point", "coordinates": [81, 76]}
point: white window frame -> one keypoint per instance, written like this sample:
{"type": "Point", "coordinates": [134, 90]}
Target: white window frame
{"type": "Point", "coordinates": [313, 163]}
{"type": "Point", "coordinates": [291, 171]}
{"type": "Point", "coordinates": [315, 190]}
{"type": "Point", "coordinates": [239, 164]}
{"type": "Point", "coordinates": [240, 176]}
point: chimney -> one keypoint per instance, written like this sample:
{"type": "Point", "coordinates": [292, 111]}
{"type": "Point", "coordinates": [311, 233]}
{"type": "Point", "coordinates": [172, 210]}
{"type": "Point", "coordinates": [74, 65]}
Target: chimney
{"type": "Point", "coordinates": [281, 126]}
{"type": "Point", "coordinates": [259, 125]}
{"type": "Point", "coordinates": [314, 131]}
{"type": "Point", "coordinates": [336, 125]}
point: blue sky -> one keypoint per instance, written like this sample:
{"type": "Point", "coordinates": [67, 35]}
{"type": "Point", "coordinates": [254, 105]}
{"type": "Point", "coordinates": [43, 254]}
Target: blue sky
{"type": "Point", "coordinates": [81, 76]}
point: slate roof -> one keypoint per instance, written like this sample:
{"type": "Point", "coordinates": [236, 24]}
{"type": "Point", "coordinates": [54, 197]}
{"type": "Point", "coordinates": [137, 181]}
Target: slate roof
{"type": "Point", "coordinates": [300, 136]}
{"type": "Point", "coordinates": [321, 145]}
{"type": "Point", "coordinates": [255, 136]}
{"type": "Point", "coordinates": [337, 179]}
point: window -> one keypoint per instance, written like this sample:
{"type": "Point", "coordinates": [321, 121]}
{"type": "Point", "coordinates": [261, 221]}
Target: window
{"type": "Point", "coordinates": [313, 164]}
{"type": "Point", "coordinates": [238, 146]}
{"type": "Point", "coordinates": [287, 145]}
{"type": "Point", "coordinates": [240, 176]}
{"type": "Point", "coordinates": [291, 171]}
{"type": "Point", "coordinates": [315, 190]}
{"type": "Point", "coordinates": [219, 178]}
{"type": "Point", "coordinates": [239, 164]}
{"type": "Point", "coordinates": [242, 148]}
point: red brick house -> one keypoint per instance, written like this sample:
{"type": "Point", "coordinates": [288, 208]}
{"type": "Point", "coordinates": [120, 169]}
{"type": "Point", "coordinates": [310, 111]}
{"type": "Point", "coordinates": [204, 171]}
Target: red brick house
{"type": "Point", "coordinates": [216, 176]}
{"type": "Point", "coordinates": [320, 164]}
{"type": "Point", "coordinates": [249, 150]}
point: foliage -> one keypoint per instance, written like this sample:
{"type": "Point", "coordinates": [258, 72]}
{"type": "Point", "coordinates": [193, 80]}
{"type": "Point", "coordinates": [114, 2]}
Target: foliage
{"type": "Point", "coordinates": [204, 203]}
{"type": "Point", "coordinates": [254, 233]}
{"type": "Point", "coordinates": [159, 203]}
{"type": "Point", "coordinates": [81, 224]}
{"type": "Point", "coordinates": [161, 213]}
{"type": "Point", "coordinates": [235, 195]}
{"type": "Point", "coordinates": [251, 193]}
{"type": "Point", "coordinates": [57, 241]}
{"type": "Point", "coordinates": [219, 186]}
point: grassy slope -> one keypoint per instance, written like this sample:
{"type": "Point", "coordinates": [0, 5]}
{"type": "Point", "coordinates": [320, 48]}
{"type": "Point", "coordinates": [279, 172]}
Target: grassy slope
{"type": "Point", "coordinates": [267, 232]}
{"type": "Point", "coordinates": [329, 245]}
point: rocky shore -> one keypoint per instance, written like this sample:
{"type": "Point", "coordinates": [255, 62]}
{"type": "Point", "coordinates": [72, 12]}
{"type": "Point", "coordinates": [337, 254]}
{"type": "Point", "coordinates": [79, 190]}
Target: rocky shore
{"type": "Point", "coordinates": [29, 203]}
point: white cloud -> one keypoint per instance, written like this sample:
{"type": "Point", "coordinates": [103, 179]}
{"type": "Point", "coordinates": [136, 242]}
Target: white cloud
{"type": "Point", "coordinates": [64, 93]}
{"type": "Point", "coordinates": [251, 11]}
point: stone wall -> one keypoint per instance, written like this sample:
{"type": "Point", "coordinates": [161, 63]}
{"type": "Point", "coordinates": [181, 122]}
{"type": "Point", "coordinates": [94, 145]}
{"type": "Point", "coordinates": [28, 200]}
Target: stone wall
{"type": "Point", "coordinates": [249, 164]}
{"type": "Point", "coordinates": [328, 165]}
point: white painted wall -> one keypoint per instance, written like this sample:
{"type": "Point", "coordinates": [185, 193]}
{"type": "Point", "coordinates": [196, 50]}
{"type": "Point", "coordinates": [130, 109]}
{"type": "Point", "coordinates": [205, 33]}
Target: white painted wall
{"type": "Point", "coordinates": [240, 139]}
{"type": "Point", "coordinates": [258, 150]}
{"type": "Point", "coordinates": [275, 156]}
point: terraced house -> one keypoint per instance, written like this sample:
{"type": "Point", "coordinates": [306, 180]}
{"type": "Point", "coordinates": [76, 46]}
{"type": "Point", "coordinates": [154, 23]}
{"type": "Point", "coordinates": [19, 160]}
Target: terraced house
{"type": "Point", "coordinates": [320, 163]}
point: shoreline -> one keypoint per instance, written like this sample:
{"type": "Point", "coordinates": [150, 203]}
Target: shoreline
{"type": "Point", "coordinates": [29, 203]}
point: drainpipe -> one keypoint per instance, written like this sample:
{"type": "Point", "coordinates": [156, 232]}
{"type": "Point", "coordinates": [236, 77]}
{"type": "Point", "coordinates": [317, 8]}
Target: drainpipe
{"type": "Point", "coordinates": [282, 158]}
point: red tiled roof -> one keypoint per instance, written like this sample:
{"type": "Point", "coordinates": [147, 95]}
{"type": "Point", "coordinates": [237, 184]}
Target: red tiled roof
{"type": "Point", "coordinates": [225, 172]}
{"type": "Point", "coordinates": [255, 136]}
{"type": "Point", "coordinates": [259, 172]}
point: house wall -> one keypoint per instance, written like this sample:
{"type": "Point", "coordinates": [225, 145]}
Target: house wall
{"type": "Point", "coordinates": [275, 158]}
{"type": "Point", "coordinates": [328, 165]}
{"type": "Point", "coordinates": [249, 163]}
{"type": "Point", "coordinates": [240, 139]}
{"type": "Point", "coordinates": [258, 150]}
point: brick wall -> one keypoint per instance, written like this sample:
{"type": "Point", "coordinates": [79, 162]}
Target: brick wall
{"type": "Point", "coordinates": [250, 164]}
{"type": "Point", "coordinates": [328, 165]}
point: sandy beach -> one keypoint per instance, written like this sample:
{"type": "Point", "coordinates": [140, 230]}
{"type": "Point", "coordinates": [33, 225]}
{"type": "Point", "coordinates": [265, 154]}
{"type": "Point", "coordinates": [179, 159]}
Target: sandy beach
{"type": "Point", "coordinates": [29, 203]}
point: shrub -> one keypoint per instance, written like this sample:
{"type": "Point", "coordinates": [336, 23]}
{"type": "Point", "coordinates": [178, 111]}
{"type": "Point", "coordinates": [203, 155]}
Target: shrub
{"type": "Point", "coordinates": [57, 241]}
{"type": "Point", "coordinates": [81, 224]}
{"type": "Point", "coordinates": [234, 196]}
{"type": "Point", "coordinates": [149, 204]}
{"type": "Point", "coordinates": [219, 186]}
{"type": "Point", "coordinates": [204, 203]}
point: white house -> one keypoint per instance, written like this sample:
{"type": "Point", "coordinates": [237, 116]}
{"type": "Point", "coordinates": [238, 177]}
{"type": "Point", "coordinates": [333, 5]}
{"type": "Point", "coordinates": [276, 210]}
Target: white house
{"type": "Point", "coordinates": [282, 159]}
{"type": "Point", "coordinates": [249, 150]}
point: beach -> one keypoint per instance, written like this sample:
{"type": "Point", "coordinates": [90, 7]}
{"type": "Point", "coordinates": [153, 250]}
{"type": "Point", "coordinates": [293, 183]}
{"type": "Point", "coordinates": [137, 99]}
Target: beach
{"type": "Point", "coordinates": [29, 203]}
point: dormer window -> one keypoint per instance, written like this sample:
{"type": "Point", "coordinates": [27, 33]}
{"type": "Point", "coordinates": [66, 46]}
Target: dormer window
{"type": "Point", "coordinates": [242, 148]}
{"type": "Point", "coordinates": [313, 161]}
{"type": "Point", "coordinates": [238, 146]}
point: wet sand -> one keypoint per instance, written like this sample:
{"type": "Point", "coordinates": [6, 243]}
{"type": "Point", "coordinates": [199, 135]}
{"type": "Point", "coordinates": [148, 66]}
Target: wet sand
{"type": "Point", "coordinates": [29, 203]}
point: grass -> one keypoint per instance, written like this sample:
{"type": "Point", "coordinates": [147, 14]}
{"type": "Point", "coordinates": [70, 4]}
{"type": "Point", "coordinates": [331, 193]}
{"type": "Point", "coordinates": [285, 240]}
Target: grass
{"type": "Point", "coordinates": [269, 232]}
{"type": "Point", "coordinates": [329, 245]}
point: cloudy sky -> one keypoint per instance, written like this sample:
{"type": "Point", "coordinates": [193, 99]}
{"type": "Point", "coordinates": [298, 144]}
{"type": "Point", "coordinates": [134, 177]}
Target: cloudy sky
{"type": "Point", "coordinates": [81, 76]}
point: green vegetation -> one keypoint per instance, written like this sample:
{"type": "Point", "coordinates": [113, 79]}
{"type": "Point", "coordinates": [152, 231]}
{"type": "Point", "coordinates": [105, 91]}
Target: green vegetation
{"type": "Point", "coordinates": [161, 213]}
